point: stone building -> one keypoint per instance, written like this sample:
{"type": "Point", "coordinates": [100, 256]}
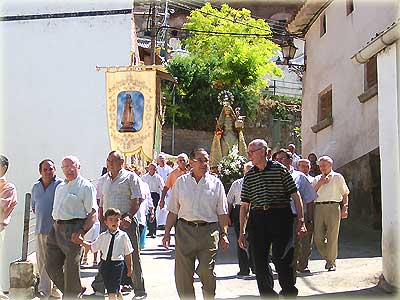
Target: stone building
{"type": "Point", "coordinates": [343, 105]}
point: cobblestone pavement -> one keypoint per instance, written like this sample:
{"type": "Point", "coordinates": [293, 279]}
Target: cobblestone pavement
{"type": "Point", "coordinates": [358, 268]}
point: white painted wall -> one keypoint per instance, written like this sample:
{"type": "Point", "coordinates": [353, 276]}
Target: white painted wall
{"type": "Point", "coordinates": [389, 131]}
{"type": "Point", "coordinates": [355, 125]}
{"type": "Point", "coordinates": [52, 100]}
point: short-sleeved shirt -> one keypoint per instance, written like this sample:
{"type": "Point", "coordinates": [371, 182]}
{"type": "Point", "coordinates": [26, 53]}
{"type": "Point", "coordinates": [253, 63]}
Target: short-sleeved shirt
{"type": "Point", "coordinates": [155, 182]}
{"type": "Point", "coordinates": [333, 190]}
{"type": "Point", "coordinates": [145, 205]}
{"type": "Point", "coordinates": [122, 245]}
{"type": "Point", "coordinates": [164, 171]}
{"type": "Point", "coordinates": [74, 199]}
{"type": "Point", "coordinates": [8, 201]}
{"type": "Point", "coordinates": [120, 192]}
{"type": "Point", "coordinates": [173, 176]}
{"type": "Point", "coordinates": [42, 205]}
{"type": "Point", "coordinates": [305, 188]}
{"type": "Point", "coordinates": [198, 201]}
{"type": "Point", "coordinates": [233, 196]}
{"type": "Point", "coordinates": [273, 185]}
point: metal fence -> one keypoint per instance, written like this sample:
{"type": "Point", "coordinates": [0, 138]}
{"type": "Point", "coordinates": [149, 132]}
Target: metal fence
{"type": "Point", "coordinates": [285, 88]}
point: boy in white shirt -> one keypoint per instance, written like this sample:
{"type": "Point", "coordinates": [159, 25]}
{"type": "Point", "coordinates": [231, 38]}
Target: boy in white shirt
{"type": "Point", "coordinates": [115, 247]}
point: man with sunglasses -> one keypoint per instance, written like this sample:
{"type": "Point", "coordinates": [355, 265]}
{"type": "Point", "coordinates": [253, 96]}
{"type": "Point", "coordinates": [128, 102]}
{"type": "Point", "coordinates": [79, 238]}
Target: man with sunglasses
{"type": "Point", "coordinates": [267, 188]}
{"type": "Point", "coordinates": [197, 207]}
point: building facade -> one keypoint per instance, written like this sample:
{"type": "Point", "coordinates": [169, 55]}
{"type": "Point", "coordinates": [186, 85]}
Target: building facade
{"type": "Point", "coordinates": [342, 106]}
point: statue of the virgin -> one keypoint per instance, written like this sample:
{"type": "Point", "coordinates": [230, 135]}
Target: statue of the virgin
{"type": "Point", "coordinates": [127, 115]}
{"type": "Point", "coordinates": [228, 132]}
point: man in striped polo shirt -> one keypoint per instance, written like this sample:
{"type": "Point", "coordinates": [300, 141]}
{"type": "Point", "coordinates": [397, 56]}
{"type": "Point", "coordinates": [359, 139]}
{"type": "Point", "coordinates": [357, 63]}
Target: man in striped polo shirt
{"type": "Point", "coordinates": [266, 190]}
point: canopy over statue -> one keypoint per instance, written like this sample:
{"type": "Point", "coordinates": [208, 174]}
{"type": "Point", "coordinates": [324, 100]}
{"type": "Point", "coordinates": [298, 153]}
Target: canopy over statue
{"type": "Point", "coordinates": [228, 130]}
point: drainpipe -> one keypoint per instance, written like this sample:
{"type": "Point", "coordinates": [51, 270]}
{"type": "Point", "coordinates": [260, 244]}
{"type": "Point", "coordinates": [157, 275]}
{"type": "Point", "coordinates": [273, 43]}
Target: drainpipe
{"type": "Point", "coordinates": [388, 37]}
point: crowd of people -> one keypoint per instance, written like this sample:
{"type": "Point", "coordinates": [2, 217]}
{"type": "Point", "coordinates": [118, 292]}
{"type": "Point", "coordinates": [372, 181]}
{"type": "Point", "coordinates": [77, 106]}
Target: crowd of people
{"type": "Point", "coordinates": [281, 205]}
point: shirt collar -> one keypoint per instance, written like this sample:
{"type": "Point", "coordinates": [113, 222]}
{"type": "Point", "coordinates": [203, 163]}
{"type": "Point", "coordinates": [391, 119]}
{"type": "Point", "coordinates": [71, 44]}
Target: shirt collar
{"type": "Point", "coordinates": [115, 233]}
{"type": "Point", "coordinates": [72, 181]}
{"type": "Point", "coordinates": [3, 178]}
{"type": "Point", "coordinates": [54, 179]}
{"type": "Point", "coordinates": [118, 175]}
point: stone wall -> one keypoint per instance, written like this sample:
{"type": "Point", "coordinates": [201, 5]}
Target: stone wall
{"type": "Point", "coordinates": [278, 134]}
{"type": "Point", "coordinates": [364, 181]}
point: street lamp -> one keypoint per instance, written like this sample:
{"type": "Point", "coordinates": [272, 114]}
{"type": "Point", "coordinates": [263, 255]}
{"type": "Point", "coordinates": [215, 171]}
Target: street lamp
{"type": "Point", "coordinates": [288, 52]}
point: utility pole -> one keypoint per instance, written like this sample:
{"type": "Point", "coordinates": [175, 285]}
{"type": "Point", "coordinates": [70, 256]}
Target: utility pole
{"type": "Point", "coordinates": [153, 33]}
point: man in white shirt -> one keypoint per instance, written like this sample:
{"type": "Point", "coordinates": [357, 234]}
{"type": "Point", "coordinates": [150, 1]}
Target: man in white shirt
{"type": "Point", "coordinates": [74, 212]}
{"type": "Point", "coordinates": [156, 185]}
{"type": "Point", "coordinates": [197, 207]}
{"type": "Point", "coordinates": [296, 157]}
{"type": "Point", "coordinates": [234, 203]}
{"type": "Point", "coordinates": [164, 170]}
{"type": "Point", "coordinates": [330, 206]}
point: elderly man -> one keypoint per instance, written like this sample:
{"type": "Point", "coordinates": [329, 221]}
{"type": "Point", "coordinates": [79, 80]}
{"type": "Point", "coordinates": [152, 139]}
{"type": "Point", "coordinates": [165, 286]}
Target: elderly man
{"type": "Point", "coordinates": [296, 157]}
{"type": "Point", "coordinates": [121, 190]}
{"type": "Point", "coordinates": [197, 206]}
{"type": "Point", "coordinates": [42, 206]}
{"type": "Point", "coordinates": [182, 162]}
{"type": "Point", "coordinates": [304, 166]}
{"type": "Point", "coordinates": [74, 212]}
{"type": "Point", "coordinates": [330, 206]}
{"type": "Point", "coordinates": [8, 201]}
{"type": "Point", "coordinates": [234, 202]}
{"type": "Point", "coordinates": [308, 195]}
{"type": "Point", "coordinates": [267, 188]}
{"type": "Point", "coordinates": [156, 184]}
{"type": "Point", "coordinates": [306, 242]}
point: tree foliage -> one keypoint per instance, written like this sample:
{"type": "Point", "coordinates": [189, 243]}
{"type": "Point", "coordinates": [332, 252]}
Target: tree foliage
{"type": "Point", "coordinates": [228, 49]}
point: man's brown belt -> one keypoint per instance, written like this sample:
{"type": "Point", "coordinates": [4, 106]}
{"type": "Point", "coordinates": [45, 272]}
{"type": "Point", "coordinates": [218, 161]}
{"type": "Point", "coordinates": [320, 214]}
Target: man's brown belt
{"type": "Point", "coordinates": [270, 206]}
{"type": "Point", "coordinates": [195, 224]}
{"type": "Point", "coordinates": [327, 202]}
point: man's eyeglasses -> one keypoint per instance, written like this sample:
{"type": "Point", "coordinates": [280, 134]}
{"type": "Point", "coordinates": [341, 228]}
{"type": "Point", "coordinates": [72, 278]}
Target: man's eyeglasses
{"type": "Point", "coordinates": [250, 152]}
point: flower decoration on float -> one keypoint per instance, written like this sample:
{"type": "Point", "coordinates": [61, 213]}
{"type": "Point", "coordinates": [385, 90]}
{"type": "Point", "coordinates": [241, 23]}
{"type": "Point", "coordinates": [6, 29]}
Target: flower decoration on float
{"type": "Point", "coordinates": [218, 132]}
{"type": "Point", "coordinates": [230, 167]}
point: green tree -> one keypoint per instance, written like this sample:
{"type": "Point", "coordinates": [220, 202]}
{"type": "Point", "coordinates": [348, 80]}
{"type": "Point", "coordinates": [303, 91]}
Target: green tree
{"type": "Point", "coordinates": [228, 49]}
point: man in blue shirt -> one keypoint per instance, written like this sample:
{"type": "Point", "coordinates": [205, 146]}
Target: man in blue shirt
{"type": "Point", "coordinates": [42, 206]}
{"type": "Point", "coordinates": [302, 245]}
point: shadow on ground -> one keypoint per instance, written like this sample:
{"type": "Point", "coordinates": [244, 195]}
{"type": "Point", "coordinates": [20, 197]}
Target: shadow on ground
{"type": "Point", "coordinates": [355, 241]}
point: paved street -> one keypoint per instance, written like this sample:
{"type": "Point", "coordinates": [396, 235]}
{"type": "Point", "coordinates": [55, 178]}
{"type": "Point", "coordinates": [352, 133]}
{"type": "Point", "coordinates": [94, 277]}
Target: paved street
{"type": "Point", "coordinates": [358, 269]}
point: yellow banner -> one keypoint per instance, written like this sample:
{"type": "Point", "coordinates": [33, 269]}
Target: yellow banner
{"type": "Point", "coordinates": [131, 111]}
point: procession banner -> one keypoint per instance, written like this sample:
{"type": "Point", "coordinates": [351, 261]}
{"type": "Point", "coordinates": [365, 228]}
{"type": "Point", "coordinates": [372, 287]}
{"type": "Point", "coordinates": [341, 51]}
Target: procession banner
{"type": "Point", "coordinates": [131, 111]}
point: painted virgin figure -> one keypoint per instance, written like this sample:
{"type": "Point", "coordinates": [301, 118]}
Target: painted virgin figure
{"type": "Point", "coordinates": [128, 116]}
{"type": "Point", "coordinates": [228, 132]}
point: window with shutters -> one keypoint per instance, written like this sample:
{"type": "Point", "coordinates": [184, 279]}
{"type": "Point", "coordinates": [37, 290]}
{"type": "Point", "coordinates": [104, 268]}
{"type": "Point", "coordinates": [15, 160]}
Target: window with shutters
{"type": "Point", "coordinates": [322, 24]}
{"type": "Point", "coordinates": [349, 6]}
{"type": "Point", "coordinates": [371, 74]}
{"type": "Point", "coordinates": [370, 80]}
{"type": "Point", "coordinates": [325, 106]}
{"type": "Point", "coordinates": [324, 118]}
